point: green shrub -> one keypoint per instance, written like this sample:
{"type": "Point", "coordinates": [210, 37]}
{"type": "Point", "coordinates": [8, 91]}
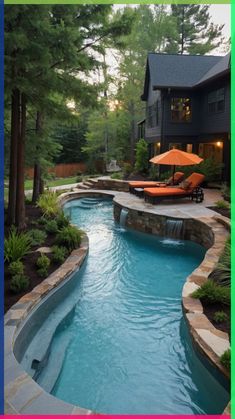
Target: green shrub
{"type": "Point", "coordinates": [127, 169]}
{"type": "Point", "coordinates": [62, 220]}
{"type": "Point", "coordinates": [166, 175]}
{"type": "Point", "coordinates": [153, 172]}
{"type": "Point", "coordinates": [220, 317]}
{"type": "Point", "coordinates": [19, 283]}
{"type": "Point", "coordinates": [212, 293]}
{"type": "Point", "coordinates": [208, 167]}
{"type": "Point", "coordinates": [38, 237]}
{"type": "Point", "coordinates": [59, 253]}
{"type": "Point", "coordinates": [222, 273]}
{"type": "Point", "coordinates": [69, 237]}
{"type": "Point", "coordinates": [16, 268]}
{"type": "Point", "coordinates": [142, 156]}
{"type": "Point", "coordinates": [42, 221]}
{"type": "Point", "coordinates": [116, 176]}
{"type": "Point", "coordinates": [79, 179]}
{"type": "Point", "coordinates": [47, 202]}
{"type": "Point", "coordinates": [51, 227]}
{"type": "Point", "coordinates": [226, 192]}
{"type": "Point", "coordinates": [222, 204]}
{"type": "Point", "coordinates": [16, 245]}
{"type": "Point", "coordinates": [225, 359]}
{"type": "Point", "coordinates": [43, 263]}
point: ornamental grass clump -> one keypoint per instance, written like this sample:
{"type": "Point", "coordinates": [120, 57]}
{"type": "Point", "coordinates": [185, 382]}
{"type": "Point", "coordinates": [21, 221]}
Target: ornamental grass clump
{"type": "Point", "coordinates": [225, 359]}
{"type": "Point", "coordinates": [222, 272]}
{"type": "Point", "coordinates": [212, 293]}
{"type": "Point", "coordinates": [16, 245]}
{"type": "Point", "coordinates": [48, 204]}
{"type": "Point", "coordinates": [69, 237]}
{"type": "Point", "coordinates": [62, 220]}
{"type": "Point", "coordinates": [37, 236]}
{"type": "Point", "coordinates": [51, 227]}
{"type": "Point", "coordinates": [220, 317]}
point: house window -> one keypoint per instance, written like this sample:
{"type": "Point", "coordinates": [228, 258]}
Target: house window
{"type": "Point", "coordinates": [189, 148]}
{"type": "Point", "coordinates": [181, 109]}
{"type": "Point", "coordinates": [216, 101]}
{"type": "Point", "coordinates": [152, 115]}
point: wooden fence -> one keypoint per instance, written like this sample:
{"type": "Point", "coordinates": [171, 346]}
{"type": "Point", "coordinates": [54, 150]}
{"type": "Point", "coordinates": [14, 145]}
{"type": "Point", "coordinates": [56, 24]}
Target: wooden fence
{"type": "Point", "coordinates": [61, 170]}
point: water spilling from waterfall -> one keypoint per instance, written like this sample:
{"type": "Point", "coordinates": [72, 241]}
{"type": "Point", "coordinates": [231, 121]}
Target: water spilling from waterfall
{"type": "Point", "coordinates": [174, 229]}
{"type": "Point", "coordinates": [123, 216]}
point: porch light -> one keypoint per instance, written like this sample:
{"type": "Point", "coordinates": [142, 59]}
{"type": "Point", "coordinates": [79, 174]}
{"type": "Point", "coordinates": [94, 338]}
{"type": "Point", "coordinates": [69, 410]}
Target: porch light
{"type": "Point", "coordinates": [218, 143]}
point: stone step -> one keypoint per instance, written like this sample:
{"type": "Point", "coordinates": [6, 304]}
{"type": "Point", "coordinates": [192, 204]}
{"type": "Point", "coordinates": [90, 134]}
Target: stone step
{"type": "Point", "coordinates": [83, 186]}
{"type": "Point", "coordinates": [87, 183]}
{"type": "Point", "coordinates": [94, 181]}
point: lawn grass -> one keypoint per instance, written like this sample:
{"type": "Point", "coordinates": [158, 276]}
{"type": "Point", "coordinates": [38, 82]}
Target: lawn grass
{"type": "Point", "coordinates": [54, 182]}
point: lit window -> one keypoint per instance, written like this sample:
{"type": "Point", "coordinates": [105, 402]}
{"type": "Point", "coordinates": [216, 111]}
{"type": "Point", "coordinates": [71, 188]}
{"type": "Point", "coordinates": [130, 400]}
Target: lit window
{"type": "Point", "coordinates": [181, 109]}
{"type": "Point", "coordinates": [189, 148]}
{"type": "Point", "coordinates": [216, 101]}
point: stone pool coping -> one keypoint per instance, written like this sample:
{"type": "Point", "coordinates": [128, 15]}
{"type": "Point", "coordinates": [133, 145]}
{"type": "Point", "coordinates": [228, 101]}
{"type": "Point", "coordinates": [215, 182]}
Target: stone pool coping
{"type": "Point", "coordinates": [24, 396]}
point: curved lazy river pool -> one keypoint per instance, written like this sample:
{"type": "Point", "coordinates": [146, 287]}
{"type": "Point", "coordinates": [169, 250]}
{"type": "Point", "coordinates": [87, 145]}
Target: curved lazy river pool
{"type": "Point", "coordinates": [126, 348]}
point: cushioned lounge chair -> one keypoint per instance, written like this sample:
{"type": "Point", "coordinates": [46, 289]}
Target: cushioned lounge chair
{"type": "Point", "coordinates": [138, 184]}
{"type": "Point", "coordinates": [189, 188]}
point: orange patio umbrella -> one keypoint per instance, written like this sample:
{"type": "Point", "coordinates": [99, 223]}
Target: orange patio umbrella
{"type": "Point", "coordinates": [176, 157]}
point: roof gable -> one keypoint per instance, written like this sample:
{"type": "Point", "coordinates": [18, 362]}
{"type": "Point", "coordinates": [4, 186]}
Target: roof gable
{"type": "Point", "coordinates": [182, 71]}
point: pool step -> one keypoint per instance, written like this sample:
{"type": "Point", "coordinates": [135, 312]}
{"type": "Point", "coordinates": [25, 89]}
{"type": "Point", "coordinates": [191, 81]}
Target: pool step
{"type": "Point", "coordinates": [38, 352]}
{"type": "Point", "coordinates": [49, 375]}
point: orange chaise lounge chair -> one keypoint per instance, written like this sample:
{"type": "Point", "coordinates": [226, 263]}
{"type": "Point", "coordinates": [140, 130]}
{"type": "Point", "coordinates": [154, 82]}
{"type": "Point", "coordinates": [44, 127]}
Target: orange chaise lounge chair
{"type": "Point", "coordinates": [178, 176]}
{"type": "Point", "coordinates": [190, 187]}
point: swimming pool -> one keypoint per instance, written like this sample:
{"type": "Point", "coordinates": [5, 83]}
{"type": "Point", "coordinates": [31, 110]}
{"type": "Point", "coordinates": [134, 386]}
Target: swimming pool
{"type": "Point", "coordinates": [127, 345]}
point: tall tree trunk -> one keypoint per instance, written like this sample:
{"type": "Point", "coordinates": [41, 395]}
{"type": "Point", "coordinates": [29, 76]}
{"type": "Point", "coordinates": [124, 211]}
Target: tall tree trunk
{"type": "Point", "coordinates": [15, 133]}
{"type": "Point", "coordinates": [36, 183]}
{"type": "Point", "coordinates": [37, 177]}
{"type": "Point", "coordinates": [20, 198]}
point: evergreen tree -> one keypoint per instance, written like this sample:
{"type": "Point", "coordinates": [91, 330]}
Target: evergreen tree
{"type": "Point", "coordinates": [46, 50]}
{"type": "Point", "coordinates": [195, 33]}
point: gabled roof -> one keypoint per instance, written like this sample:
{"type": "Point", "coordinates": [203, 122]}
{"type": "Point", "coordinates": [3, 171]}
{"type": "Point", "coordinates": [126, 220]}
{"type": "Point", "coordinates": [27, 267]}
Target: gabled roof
{"type": "Point", "coordinates": [182, 71]}
{"type": "Point", "coordinates": [218, 69]}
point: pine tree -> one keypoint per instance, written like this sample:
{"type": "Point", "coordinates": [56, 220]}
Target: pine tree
{"type": "Point", "coordinates": [195, 33]}
{"type": "Point", "coordinates": [46, 50]}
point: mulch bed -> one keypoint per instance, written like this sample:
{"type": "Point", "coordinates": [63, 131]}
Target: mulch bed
{"type": "Point", "coordinates": [210, 311]}
{"type": "Point", "coordinates": [222, 211]}
{"type": "Point", "coordinates": [32, 215]}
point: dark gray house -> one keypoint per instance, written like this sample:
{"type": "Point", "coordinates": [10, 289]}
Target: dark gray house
{"type": "Point", "coordinates": [188, 105]}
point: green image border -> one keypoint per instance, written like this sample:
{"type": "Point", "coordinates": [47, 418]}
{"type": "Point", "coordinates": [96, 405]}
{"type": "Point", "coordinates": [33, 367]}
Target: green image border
{"type": "Point", "coordinates": [232, 2]}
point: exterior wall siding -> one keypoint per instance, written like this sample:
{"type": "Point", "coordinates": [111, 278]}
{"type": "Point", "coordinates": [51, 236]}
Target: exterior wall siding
{"type": "Point", "coordinates": [218, 122]}
{"type": "Point", "coordinates": [153, 134]}
{"type": "Point", "coordinates": [202, 122]}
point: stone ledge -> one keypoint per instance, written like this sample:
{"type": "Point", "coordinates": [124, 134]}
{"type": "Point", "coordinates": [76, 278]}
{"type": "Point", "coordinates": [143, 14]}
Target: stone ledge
{"type": "Point", "coordinates": [207, 338]}
{"type": "Point", "coordinates": [22, 394]}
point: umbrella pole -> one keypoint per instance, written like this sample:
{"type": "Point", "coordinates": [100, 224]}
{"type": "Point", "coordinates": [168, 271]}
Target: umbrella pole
{"type": "Point", "coordinates": [173, 174]}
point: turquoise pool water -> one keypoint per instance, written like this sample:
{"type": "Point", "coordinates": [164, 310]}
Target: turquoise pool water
{"type": "Point", "coordinates": [129, 350]}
